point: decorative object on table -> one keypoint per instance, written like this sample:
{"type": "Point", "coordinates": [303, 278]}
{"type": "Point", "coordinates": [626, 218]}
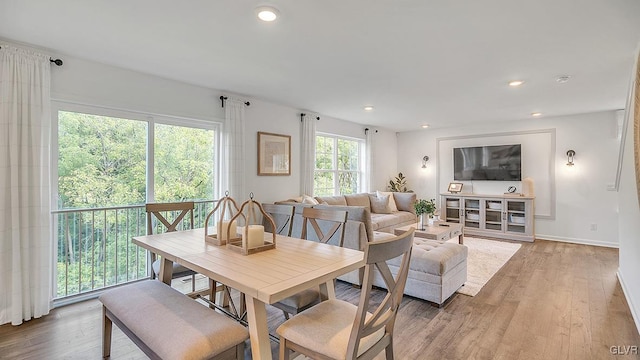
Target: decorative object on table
{"type": "Point", "coordinates": [527, 187]}
{"type": "Point", "coordinates": [274, 154]}
{"type": "Point", "coordinates": [225, 227]}
{"type": "Point", "coordinates": [425, 210]}
{"type": "Point", "coordinates": [455, 187]}
{"type": "Point", "coordinates": [252, 239]}
{"type": "Point", "coordinates": [399, 184]}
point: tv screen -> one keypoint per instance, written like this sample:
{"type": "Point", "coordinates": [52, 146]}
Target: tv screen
{"type": "Point", "coordinates": [500, 163]}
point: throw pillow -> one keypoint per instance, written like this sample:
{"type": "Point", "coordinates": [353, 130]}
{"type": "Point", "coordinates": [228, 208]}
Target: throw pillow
{"type": "Point", "coordinates": [392, 202]}
{"type": "Point", "coordinates": [405, 201]}
{"type": "Point", "coordinates": [306, 199]}
{"type": "Point", "coordinates": [380, 204]}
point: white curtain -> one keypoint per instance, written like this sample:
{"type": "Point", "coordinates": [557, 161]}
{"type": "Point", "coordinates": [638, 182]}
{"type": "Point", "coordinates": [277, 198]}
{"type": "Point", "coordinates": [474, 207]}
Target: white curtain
{"type": "Point", "coordinates": [368, 185]}
{"type": "Point", "coordinates": [308, 153]}
{"type": "Point", "coordinates": [25, 240]}
{"type": "Point", "coordinates": [233, 154]}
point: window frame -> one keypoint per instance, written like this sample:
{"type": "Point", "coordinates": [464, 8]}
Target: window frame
{"type": "Point", "coordinates": [336, 171]}
{"type": "Point", "coordinates": [150, 119]}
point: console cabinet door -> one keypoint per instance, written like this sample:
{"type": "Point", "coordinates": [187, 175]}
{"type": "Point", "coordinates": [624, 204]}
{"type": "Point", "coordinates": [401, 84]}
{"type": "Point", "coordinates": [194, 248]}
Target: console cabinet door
{"type": "Point", "coordinates": [452, 206]}
{"type": "Point", "coordinates": [519, 217]}
{"type": "Point", "coordinates": [494, 214]}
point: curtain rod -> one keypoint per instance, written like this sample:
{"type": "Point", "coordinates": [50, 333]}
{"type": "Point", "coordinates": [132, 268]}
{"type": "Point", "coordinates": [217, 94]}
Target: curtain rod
{"type": "Point", "coordinates": [56, 61]}
{"type": "Point", "coordinates": [223, 98]}
{"type": "Point", "coordinates": [302, 115]}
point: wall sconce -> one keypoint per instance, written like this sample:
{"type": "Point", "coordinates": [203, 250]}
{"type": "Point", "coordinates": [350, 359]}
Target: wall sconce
{"type": "Point", "coordinates": [424, 161]}
{"type": "Point", "coordinates": [570, 155]}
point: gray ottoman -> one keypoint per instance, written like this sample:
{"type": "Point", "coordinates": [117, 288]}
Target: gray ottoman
{"type": "Point", "coordinates": [436, 271]}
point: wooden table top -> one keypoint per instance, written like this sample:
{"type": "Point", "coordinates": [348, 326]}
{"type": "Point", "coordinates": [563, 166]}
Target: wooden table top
{"type": "Point", "coordinates": [269, 276]}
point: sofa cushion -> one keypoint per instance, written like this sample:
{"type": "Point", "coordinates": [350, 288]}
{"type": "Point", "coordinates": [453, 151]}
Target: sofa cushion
{"type": "Point", "coordinates": [405, 201]}
{"type": "Point", "coordinates": [380, 204]}
{"type": "Point", "coordinates": [379, 221]}
{"type": "Point", "coordinates": [332, 200]}
{"type": "Point", "coordinates": [358, 200]}
{"type": "Point", "coordinates": [392, 201]}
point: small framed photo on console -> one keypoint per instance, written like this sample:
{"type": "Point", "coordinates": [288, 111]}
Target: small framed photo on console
{"type": "Point", "coordinates": [455, 187]}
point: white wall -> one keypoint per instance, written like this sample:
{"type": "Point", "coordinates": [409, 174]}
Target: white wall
{"type": "Point", "coordinates": [629, 223]}
{"type": "Point", "coordinates": [581, 199]}
{"type": "Point", "coordinates": [91, 83]}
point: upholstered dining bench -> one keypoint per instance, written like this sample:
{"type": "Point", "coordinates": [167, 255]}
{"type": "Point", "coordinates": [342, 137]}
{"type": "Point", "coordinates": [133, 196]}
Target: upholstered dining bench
{"type": "Point", "coordinates": [166, 324]}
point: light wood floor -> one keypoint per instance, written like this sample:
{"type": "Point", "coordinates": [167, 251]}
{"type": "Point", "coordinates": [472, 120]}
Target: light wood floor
{"type": "Point", "coordinates": [550, 301]}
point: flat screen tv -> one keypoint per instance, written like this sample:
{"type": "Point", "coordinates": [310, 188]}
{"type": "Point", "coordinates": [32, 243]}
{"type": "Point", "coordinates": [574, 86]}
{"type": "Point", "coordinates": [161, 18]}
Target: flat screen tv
{"type": "Point", "coordinates": [501, 163]}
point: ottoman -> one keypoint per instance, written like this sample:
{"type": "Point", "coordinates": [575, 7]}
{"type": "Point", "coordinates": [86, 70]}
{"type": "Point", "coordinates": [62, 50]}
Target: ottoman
{"type": "Point", "coordinates": [437, 269]}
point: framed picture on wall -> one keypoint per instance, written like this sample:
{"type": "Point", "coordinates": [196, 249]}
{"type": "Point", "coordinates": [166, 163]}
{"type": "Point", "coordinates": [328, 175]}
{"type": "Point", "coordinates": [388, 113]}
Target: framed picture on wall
{"type": "Point", "coordinates": [274, 154]}
{"type": "Point", "coordinates": [455, 187]}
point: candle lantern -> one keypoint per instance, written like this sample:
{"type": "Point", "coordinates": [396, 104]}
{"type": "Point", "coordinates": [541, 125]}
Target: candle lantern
{"type": "Point", "coordinates": [252, 236]}
{"type": "Point", "coordinates": [226, 226]}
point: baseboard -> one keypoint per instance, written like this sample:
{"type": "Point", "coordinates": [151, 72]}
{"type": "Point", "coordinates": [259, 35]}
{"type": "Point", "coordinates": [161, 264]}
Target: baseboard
{"type": "Point", "coordinates": [632, 307]}
{"type": "Point", "coordinates": [578, 241]}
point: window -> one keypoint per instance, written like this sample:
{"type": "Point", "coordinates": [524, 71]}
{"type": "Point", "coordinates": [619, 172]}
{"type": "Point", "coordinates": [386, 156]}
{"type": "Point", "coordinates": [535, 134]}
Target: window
{"type": "Point", "coordinates": [183, 163]}
{"type": "Point", "coordinates": [103, 160]}
{"type": "Point", "coordinates": [106, 164]}
{"type": "Point", "coordinates": [338, 165]}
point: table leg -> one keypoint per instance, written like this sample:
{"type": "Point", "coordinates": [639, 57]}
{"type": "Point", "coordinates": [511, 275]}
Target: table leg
{"type": "Point", "coordinates": [166, 271]}
{"type": "Point", "coordinates": [258, 331]}
{"type": "Point", "coordinates": [328, 290]}
{"type": "Point", "coordinates": [461, 239]}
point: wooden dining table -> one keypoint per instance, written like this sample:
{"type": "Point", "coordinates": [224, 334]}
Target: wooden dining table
{"type": "Point", "coordinates": [265, 277]}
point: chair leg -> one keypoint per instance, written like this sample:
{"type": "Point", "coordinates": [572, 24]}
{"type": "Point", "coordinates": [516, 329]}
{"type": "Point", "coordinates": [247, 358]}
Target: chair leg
{"type": "Point", "coordinates": [389, 350]}
{"type": "Point", "coordinates": [193, 283]}
{"type": "Point", "coordinates": [286, 315]}
{"type": "Point", "coordinates": [107, 326]}
{"type": "Point", "coordinates": [284, 352]}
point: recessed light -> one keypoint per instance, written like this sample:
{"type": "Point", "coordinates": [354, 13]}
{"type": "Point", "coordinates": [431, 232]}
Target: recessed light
{"type": "Point", "coordinates": [368, 108]}
{"type": "Point", "coordinates": [515, 83]}
{"type": "Point", "coordinates": [536, 114]}
{"type": "Point", "coordinates": [267, 13]}
{"type": "Point", "coordinates": [563, 79]}
{"type": "Point", "coordinates": [425, 126]}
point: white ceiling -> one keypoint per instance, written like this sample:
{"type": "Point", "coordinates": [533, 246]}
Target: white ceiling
{"type": "Point", "coordinates": [441, 62]}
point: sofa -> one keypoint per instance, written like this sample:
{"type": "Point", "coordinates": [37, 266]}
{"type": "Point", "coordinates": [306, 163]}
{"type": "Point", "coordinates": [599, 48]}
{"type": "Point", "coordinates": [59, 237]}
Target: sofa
{"type": "Point", "coordinates": [399, 212]}
{"type": "Point", "coordinates": [436, 270]}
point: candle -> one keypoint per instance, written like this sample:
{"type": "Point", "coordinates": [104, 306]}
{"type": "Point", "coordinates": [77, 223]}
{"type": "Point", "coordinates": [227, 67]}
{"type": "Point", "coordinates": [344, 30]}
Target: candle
{"type": "Point", "coordinates": [255, 236]}
{"type": "Point", "coordinates": [223, 227]}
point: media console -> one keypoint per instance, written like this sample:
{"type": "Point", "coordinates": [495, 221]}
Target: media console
{"type": "Point", "coordinates": [500, 216]}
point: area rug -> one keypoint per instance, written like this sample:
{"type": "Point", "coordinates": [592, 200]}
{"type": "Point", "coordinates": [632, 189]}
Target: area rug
{"type": "Point", "coordinates": [485, 258]}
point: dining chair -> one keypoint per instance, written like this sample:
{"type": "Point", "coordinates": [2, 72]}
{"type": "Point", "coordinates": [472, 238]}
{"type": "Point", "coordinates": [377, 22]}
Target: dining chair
{"type": "Point", "coordinates": [336, 329]}
{"type": "Point", "coordinates": [283, 217]}
{"type": "Point", "coordinates": [171, 217]}
{"type": "Point", "coordinates": [325, 223]}
{"type": "Point", "coordinates": [335, 220]}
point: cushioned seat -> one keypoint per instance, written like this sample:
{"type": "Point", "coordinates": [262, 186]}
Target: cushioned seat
{"type": "Point", "coordinates": [437, 270]}
{"type": "Point", "coordinates": [167, 324]}
{"type": "Point", "coordinates": [178, 270]}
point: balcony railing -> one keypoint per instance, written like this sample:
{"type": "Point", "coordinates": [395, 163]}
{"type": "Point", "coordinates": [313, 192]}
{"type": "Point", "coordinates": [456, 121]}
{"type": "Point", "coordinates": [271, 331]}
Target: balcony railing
{"type": "Point", "coordinates": [94, 249]}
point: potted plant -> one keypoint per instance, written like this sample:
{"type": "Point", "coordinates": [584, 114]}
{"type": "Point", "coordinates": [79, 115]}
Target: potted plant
{"type": "Point", "coordinates": [399, 185]}
{"type": "Point", "coordinates": [424, 207]}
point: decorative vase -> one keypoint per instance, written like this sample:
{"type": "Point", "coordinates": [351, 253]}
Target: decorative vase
{"type": "Point", "coordinates": [421, 221]}
{"type": "Point", "coordinates": [431, 220]}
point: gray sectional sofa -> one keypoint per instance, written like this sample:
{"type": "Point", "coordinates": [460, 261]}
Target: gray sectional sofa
{"type": "Point", "coordinates": [436, 271]}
